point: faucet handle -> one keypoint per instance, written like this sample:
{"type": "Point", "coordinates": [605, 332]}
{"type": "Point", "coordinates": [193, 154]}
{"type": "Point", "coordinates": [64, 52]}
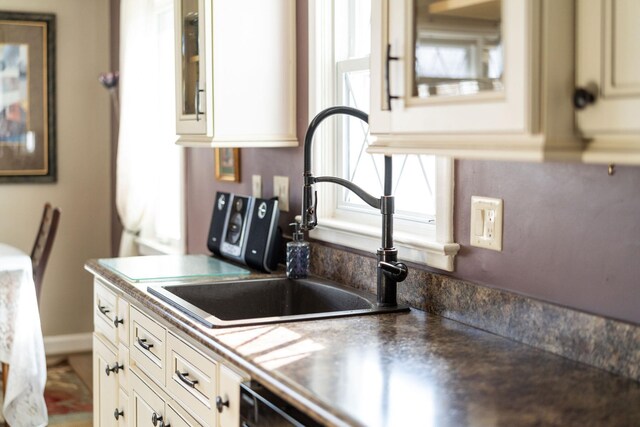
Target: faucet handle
{"type": "Point", "coordinates": [396, 271]}
{"type": "Point", "coordinates": [310, 216]}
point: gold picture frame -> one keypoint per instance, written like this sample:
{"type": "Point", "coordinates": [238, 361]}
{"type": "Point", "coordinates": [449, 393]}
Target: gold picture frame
{"type": "Point", "coordinates": [227, 164]}
{"type": "Point", "coordinates": [27, 98]}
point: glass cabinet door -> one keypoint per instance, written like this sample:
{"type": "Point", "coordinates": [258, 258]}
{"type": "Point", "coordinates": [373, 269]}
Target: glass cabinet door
{"type": "Point", "coordinates": [190, 78]}
{"type": "Point", "coordinates": [438, 67]}
{"type": "Point", "coordinates": [457, 48]}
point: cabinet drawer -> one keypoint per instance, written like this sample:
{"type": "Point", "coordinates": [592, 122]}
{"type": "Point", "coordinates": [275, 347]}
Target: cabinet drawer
{"type": "Point", "coordinates": [148, 341]}
{"type": "Point", "coordinates": [105, 310]}
{"type": "Point", "coordinates": [192, 378]}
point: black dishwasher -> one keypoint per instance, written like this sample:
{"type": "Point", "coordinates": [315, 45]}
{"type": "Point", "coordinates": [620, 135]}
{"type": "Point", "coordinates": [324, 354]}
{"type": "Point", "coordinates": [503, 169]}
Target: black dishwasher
{"type": "Point", "coordinates": [259, 407]}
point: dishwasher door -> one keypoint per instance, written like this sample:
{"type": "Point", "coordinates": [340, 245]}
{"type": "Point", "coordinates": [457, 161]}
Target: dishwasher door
{"type": "Point", "coordinates": [259, 407]}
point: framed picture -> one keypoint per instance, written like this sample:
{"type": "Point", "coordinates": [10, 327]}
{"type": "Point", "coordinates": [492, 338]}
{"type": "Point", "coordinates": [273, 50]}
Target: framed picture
{"type": "Point", "coordinates": [27, 97]}
{"type": "Point", "coordinates": [228, 164]}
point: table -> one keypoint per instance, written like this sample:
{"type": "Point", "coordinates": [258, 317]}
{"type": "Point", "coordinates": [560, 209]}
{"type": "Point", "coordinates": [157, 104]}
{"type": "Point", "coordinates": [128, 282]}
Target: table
{"type": "Point", "coordinates": [21, 344]}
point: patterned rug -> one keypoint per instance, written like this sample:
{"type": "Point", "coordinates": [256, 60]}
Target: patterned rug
{"type": "Point", "coordinates": [69, 400]}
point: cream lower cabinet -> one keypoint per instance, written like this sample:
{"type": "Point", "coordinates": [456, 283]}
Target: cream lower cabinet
{"type": "Point", "coordinates": [608, 73]}
{"type": "Point", "coordinates": [108, 408]}
{"type": "Point", "coordinates": [110, 357]}
{"type": "Point", "coordinates": [151, 375]}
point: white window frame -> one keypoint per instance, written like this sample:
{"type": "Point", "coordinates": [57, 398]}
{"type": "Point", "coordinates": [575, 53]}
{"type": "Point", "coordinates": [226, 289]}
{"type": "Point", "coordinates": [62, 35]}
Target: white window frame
{"type": "Point", "coordinates": [430, 244]}
{"type": "Point", "coordinates": [150, 241]}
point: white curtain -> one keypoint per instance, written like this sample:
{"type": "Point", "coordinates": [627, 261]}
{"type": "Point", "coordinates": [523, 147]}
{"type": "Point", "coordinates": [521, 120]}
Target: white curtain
{"type": "Point", "coordinates": [138, 117]}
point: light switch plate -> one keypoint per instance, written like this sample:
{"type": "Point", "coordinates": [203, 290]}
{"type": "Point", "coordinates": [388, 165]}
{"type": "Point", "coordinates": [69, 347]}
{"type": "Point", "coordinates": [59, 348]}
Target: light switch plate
{"type": "Point", "coordinates": [281, 191]}
{"type": "Point", "coordinates": [256, 186]}
{"type": "Point", "coordinates": [486, 223]}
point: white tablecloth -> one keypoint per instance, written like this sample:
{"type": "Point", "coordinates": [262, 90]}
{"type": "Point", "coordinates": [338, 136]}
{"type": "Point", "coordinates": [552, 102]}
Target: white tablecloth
{"type": "Point", "coordinates": [21, 344]}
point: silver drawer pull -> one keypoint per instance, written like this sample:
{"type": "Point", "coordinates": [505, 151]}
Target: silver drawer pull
{"type": "Point", "coordinates": [143, 343]}
{"type": "Point", "coordinates": [156, 420]}
{"type": "Point", "coordinates": [184, 379]}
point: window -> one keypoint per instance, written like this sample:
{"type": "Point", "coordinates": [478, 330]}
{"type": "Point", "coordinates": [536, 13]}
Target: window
{"type": "Point", "coordinates": [422, 185]}
{"type": "Point", "coordinates": [162, 227]}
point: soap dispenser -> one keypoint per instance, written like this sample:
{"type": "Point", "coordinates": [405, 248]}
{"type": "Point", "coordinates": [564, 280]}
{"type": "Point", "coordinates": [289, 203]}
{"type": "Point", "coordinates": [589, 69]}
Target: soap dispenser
{"type": "Point", "coordinates": [297, 253]}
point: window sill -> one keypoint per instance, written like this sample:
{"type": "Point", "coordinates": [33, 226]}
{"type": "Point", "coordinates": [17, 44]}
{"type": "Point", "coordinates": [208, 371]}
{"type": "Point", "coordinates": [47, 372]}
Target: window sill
{"type": "Point", "coordinates": [426, 250]}
{"type": "Point", "coordinates": [147, 246]}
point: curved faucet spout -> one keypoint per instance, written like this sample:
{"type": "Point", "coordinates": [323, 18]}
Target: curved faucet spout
{"type": "Point", "coordinates": [389, 270]}
{"type": "Point", "coordinates": [309, 218]}
{"type": "Point", "coordinates": [319, 118]}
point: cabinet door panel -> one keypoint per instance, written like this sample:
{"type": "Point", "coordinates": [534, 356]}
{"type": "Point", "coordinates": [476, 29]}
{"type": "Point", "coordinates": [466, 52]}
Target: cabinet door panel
{"type": "Point", "coordinates": [608, 64]}
{"type": "Point", "coordinates": [230, 393]}
{"type": "Point", "coordinates": [105, 387]}
{"type": "Point", "coordinates": [145, 405]}
{"type": "Point", "coordinates": [191, 22]}
{"type": "Point", "coordinates": [506, 110]}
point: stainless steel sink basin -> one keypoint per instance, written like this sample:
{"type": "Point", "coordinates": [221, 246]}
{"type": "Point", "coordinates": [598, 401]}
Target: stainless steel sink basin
{"type": "Point", "coordinates": [252, 302]}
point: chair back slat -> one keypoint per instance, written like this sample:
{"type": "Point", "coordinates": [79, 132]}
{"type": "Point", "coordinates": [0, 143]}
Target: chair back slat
{"type": "Point", "coordinates": [43, 244]}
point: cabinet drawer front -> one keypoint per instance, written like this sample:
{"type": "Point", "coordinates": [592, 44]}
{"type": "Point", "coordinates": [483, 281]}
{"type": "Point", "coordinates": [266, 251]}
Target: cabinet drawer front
{"type": "Point", "coordinates": [192, 378]}
{"type": "Point", "coordinates": [105, 310]}
{"type": "Point", "coordinates": [148, 346]}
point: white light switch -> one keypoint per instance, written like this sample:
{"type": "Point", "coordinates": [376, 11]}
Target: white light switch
{"type": "Point", "coordinates": [281, 191]}
{"type": "Point", "coordinates": [486, 223]}
{"type": "Point", "coordinates": [256, 186]}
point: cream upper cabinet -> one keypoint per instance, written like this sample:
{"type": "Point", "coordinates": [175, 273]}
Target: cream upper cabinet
{"type": "Point", "coordinates": [235, 73]}
{"type": "Point", "coordinates": [474, 78]}
{"type": "Point", "coordinates": [608, 73]}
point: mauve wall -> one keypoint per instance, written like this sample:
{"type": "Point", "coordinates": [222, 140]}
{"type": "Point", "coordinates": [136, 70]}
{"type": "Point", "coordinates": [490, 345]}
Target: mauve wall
{"type": "Point", "coordinates": [571, 233]}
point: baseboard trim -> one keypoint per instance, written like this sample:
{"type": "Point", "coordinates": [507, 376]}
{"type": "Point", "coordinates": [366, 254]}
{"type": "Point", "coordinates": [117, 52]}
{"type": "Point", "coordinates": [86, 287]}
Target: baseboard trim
{"type": "Point", "coordinates": [55, 345]}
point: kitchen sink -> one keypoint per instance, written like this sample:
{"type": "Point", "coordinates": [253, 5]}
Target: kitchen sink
{"type": "Point", "coordinates": [258, 301]}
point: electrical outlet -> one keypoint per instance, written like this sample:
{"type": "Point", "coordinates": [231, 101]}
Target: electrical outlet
{"type": "Point", "coordinates": [256, 186]}
{"type": "Point", "coordinates": [281, 191]}
{"type": "Point", "coordinates": [486, 223]}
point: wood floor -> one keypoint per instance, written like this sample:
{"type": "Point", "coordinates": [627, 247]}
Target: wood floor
{"type": "Point", "coordinates": [83, 366]}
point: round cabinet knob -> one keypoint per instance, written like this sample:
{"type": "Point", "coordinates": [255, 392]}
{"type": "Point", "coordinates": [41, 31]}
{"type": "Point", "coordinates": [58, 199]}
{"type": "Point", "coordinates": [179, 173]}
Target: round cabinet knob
{"type": "Point", "coordinates": [116, 321]}
{"type": "Point", "coordinates": [583, 97]}
{"type": "Point", "coordinates": [117, 414]}
{"type": "Point", "coordinates": [157, 421]}
{"type": "Point", "coordinates": [115, 368]}
{"type": "Point", "coordinates": [156, 418]}
{"type": "Point", "coordinates": [220, 404]}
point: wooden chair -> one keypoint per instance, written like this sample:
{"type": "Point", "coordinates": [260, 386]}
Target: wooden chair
{"type": "Point", "coordinates": [39, 259]}
{"type": "Point", "coordinates": [43, 244]}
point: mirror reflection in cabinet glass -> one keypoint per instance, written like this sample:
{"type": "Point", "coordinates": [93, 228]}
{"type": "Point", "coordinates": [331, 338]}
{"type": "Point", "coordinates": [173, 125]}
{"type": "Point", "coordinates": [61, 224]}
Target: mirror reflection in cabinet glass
{"type": "Point", "coordinates": [458, 47]}
{"type": "Point", "coordinates": [190, 56]}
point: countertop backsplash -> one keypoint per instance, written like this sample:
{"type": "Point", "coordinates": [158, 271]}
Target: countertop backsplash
{"type": "Point", "coordinates": [601, 342]}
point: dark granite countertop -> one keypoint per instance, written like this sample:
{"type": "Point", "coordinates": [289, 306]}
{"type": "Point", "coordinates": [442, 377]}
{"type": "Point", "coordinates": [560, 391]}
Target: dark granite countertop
{"type": "Point", "coordinates": [409, 369]}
